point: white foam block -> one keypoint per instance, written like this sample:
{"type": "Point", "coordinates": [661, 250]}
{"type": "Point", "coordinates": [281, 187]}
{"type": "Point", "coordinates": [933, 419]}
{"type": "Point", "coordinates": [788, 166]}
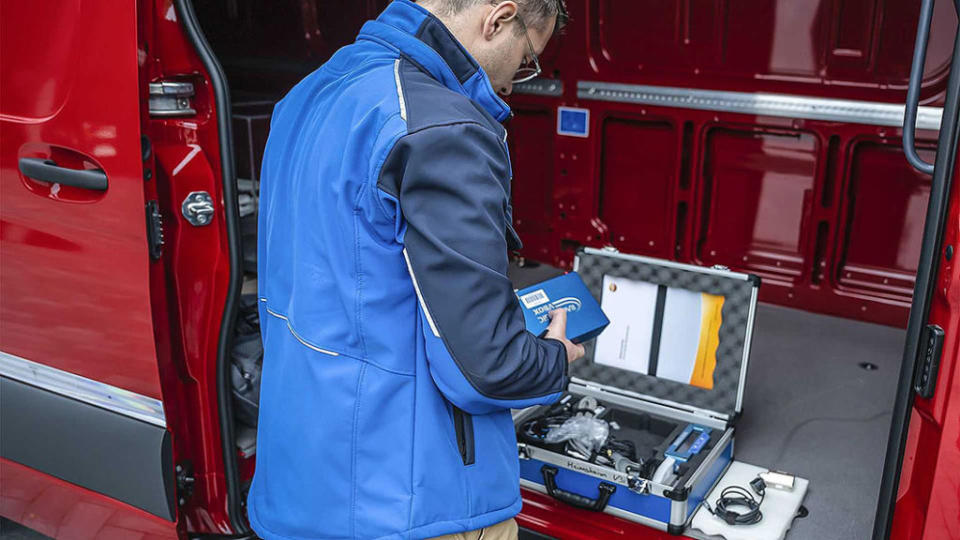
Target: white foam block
{"type": "Point", "coordinates": [779, 507]}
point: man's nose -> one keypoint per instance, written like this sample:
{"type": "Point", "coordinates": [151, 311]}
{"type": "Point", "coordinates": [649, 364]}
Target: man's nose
{"type": "Point", "coordinates": [506, 90]}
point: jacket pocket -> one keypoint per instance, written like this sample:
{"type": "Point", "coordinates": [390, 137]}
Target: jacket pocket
{"type": "Point", "coordinates": [463, 426]}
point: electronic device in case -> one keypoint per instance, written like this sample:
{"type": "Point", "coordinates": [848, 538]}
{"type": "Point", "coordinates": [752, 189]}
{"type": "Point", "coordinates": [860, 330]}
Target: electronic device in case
{"type": "Point", "coordinates": [689, 443]}
{"type": "Point", "coordinates": [665, 382]}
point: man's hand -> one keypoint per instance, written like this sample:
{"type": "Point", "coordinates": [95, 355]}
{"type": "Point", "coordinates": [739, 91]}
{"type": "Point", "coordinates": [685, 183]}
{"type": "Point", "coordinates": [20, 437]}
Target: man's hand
{"type": "Point", "coordinates": [558, 331]}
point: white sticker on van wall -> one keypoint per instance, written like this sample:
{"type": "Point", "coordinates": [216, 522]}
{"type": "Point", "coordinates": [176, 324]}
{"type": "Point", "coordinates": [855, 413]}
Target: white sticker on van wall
{"type": "Point", "coordinates": [573, 122]}
{"type": "Point", "coordinates": [534, 299]}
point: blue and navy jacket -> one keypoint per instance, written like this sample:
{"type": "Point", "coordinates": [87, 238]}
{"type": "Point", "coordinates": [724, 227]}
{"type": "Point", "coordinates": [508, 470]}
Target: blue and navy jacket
{"type": "Point", "coordinates": [394, 343]}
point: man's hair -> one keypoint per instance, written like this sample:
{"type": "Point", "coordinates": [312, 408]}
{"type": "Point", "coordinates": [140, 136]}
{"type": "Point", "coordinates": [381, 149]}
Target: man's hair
{"type": "Point", "coordinates": [533, 12]}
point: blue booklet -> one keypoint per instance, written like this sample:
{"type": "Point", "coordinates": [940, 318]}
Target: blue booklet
{"type": "Point", "coordinates": [585, 319]}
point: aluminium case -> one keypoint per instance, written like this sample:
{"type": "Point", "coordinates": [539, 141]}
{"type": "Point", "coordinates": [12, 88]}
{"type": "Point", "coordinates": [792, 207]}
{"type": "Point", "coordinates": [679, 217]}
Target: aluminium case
{"type": "Point", "coordinates": [660, 506]}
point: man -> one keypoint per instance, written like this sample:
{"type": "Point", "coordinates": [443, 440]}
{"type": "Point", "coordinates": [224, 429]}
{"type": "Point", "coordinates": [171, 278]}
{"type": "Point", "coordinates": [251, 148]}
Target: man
{"type": "Point", "coordinates": [394, 343]}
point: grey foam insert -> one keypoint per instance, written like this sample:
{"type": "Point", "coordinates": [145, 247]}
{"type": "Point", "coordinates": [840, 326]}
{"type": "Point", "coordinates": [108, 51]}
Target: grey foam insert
{"type": "Point", "coordinates": [738, 299]}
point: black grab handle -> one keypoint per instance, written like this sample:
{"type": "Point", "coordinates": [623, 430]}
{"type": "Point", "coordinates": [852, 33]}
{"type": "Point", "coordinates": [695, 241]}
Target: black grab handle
{"type": "Point", "coordinates": [913, 89]}
{"type": "Point", "coordinates": [48, 171]}
{"type": "Point", "coordinates": [573, 499]}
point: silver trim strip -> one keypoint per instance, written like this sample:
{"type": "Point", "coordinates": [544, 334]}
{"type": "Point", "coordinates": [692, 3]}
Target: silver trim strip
{"type": "Point", "coordinates": [77, 387]}
{"type": "Point", "coordinates": [649, 404]}
{"type": "Point", "coordinates": [662, 262]}
{"type": "Point", "coordinates": [747, 343]}
{"type": "Point", "coordinates": [540, 87]}
{"type": "Point", "coordinates": [630, 516]}
{"type": "Point", "coordinates": [396, 76]}
{"type": "Point", "coordinates": [763, 104]}
{"type": "Point", "coordinates": [703, 415]}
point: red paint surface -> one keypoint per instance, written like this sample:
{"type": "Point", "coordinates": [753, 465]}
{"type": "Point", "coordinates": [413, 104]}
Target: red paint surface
{"type": "Point", "coordinates": [667, 182]}
{"type": "Point", "coordinates": [852, 48]}
{"type": "Point", "coordinates": [74, 281]}
{"type": "Point", "coordinates": [756, 189]}
{"type": "Point", "coordinates": [636, 200]}
{"type": "Point", "coordinates": [190, 285]}
{"type": "Point", "coordinates": [928, 503]}
{"type": "Point", "coordinates": [829, 214]}
{"type": "Point", "coordinates": [62, 510]}
{"type": "Point", "coordinates": [543, 514]}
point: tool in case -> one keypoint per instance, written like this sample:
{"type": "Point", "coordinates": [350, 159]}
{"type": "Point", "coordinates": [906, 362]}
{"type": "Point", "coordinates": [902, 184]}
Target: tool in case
{"type": "Point", "coordinates": [646, 428]}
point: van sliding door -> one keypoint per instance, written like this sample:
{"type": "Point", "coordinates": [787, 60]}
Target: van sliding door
{"type": "Point", "coordinates": [918, 494]}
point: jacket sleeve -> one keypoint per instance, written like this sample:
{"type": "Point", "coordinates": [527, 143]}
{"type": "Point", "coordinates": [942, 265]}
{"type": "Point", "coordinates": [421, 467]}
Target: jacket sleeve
{"type": "Point", "coordinates": [453, 188]}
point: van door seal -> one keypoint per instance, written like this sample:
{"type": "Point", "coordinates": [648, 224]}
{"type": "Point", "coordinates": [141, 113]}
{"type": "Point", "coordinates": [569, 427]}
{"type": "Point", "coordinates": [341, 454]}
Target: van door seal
{"type": "Point", "coordinates": [231, 211]}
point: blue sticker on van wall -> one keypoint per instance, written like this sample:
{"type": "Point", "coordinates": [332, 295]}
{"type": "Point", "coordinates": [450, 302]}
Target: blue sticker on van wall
{"type": "Point", "coordinates": [573, 122]}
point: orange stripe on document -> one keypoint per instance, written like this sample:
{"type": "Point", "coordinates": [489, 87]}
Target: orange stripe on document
{"type": "Point", "coordinates": [711, 319]}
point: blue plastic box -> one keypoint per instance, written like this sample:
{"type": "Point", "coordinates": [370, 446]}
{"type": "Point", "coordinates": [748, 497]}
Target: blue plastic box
{"type": "Point", "coordinates": [585, 319]}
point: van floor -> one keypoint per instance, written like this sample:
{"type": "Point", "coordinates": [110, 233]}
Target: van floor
{"type": "Point", "coordinates": [811, 408]}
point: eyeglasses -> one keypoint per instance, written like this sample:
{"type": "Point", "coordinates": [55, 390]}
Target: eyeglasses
{"type": "Point", "coordinates": [530, 69]}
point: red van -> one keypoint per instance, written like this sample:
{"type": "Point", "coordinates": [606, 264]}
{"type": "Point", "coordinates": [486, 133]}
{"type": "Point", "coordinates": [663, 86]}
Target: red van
{"type": "Point", "coordinates": [766, 136]}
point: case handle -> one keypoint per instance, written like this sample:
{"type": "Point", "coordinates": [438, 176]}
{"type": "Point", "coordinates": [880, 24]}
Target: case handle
{"type": "Point", "coordinates": [594, 505]}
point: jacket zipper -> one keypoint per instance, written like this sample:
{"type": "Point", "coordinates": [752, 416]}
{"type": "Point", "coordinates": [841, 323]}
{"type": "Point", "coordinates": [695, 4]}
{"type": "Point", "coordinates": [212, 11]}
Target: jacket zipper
{"type": "Point", "coordinates": [463, 426]}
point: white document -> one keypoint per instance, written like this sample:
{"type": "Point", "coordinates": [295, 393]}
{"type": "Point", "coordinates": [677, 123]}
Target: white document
{"type": "Point", "coordinates": [680, 338]}
{"type": "Point", "coordinates": [630, 306]}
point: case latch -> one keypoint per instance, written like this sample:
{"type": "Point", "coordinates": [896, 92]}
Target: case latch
{"type": "Point", "coordinates": [637, 484]}
{"type": "Point", "coordinates": [523, 451]}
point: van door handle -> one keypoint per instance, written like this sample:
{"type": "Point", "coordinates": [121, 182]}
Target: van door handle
{"type": "Point", "coordinates": [47, 170]}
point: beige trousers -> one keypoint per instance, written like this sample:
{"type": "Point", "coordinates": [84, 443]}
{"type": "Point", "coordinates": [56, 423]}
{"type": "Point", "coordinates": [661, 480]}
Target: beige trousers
{"type": "Point", "coordinates": [505, 530]}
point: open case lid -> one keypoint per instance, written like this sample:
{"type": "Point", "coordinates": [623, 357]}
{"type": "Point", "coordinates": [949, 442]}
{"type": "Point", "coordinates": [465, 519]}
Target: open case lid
{"type": "Point", "coordinates": [679, 334]}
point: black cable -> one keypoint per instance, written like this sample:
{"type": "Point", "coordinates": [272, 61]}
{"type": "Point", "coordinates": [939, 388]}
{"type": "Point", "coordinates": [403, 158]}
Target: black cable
{"type": "Point", "coordinates": [735, 496]}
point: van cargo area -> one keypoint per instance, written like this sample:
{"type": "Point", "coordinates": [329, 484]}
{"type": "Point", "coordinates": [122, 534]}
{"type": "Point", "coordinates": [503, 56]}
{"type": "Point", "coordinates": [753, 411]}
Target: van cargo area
{"type": "Point", "coordinates": [826, 210]}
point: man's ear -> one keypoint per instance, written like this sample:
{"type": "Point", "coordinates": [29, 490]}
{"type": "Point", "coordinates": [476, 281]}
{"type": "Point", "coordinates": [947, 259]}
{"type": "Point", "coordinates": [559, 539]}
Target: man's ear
{"type": "Point", "coordinates": [498, 17]}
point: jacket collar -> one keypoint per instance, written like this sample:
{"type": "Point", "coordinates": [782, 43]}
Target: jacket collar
{"type": "Point", "coordinates": [424, 39]}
